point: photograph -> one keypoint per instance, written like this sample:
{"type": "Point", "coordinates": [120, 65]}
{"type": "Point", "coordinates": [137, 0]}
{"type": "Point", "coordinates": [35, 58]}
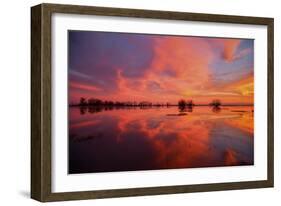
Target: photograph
{"type": "Point", "coordinates": [141, 102]}
{"type": "Point", "coordinates": [134, 102]}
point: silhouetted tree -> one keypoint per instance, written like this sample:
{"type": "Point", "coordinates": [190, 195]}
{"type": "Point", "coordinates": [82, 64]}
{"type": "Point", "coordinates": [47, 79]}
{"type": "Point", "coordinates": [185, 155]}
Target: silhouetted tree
{"type": "Point", "coordinates": [145, 104]}
{"type": "Point", "coordinates": [189, 103]}
{"type": "Point", "coordinates": [216, 103]}
{"type": "Point", "coordinates": [182, 103]}
{"type": "Point", "coordinates": [110, 103]}
{"type": "Point", "coordinates": [83, 101]}
{"type": "Point", "coordinates": [96, 102]}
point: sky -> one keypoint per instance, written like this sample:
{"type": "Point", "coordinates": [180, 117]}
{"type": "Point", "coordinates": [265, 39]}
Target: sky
{"type": "Point", "coordinates": [159, 68]}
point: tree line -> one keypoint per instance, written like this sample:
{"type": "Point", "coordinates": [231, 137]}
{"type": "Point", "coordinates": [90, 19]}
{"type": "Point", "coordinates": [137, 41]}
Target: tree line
{"type": "Point", "coordinates": [181, 103]}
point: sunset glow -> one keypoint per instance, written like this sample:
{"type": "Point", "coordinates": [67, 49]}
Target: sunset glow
{"type": "Point", "coordinates": [159, 68]}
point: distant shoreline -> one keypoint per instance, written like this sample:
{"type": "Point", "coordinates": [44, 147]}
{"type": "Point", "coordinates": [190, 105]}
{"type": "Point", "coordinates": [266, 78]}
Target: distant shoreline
{"type": "Point", "coordinates": [172, 105]}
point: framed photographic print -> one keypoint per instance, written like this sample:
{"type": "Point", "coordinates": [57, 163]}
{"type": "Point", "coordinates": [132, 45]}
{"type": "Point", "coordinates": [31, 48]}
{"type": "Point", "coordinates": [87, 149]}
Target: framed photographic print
{"type": "Point", "coordinates": [130, 102]}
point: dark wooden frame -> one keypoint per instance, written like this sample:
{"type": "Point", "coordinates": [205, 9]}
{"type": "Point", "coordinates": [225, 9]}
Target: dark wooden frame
{"type": "Point", "coordinates": [41, 101]}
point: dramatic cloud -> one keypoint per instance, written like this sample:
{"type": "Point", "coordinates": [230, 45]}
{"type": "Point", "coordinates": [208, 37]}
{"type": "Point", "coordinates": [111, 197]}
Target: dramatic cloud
{"type": "Point", "coordinates": [230, 46]}
{"type": "Point", "coordinates": [136, 67]}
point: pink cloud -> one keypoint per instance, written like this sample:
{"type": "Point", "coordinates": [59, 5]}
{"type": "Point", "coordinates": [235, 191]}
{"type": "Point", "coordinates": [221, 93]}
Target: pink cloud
{"type": "Point", "coordinates": [84, 86]}
{"type": "Point", "coordinates": [229, 49]}
{"type": "Point", "coordinates": [187, 61]}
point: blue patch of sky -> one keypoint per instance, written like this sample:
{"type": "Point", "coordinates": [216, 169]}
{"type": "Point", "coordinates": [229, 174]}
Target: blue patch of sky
{"type": "Point", "coordinates": [223, 71]}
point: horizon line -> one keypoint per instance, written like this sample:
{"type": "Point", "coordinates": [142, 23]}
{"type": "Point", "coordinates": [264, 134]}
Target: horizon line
{"type": "Point", "coordinates": [137, 105]}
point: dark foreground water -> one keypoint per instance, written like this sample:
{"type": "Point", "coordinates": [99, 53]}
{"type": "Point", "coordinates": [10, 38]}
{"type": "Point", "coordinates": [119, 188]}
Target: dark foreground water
{"type": "Point", "coordinates": [129, 139]}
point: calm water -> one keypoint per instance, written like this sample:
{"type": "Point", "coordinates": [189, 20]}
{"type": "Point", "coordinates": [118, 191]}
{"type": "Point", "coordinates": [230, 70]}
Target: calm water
{"type": "Point", "coordinates": [158, 138]}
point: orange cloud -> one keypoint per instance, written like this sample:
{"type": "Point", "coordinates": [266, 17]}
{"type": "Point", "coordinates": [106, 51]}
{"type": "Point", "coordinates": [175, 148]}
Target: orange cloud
{"type": "Point", "coordinates": [230, 46]}
{"type": "Point", "coordinates": [244, 87]}
{"type": "Point", "coordinates": [237, 92]}
{"type": "Point", "coordinates": [185, 58]}
{"type": "Point", "coordinates": [180, 68]}
{"type": "Point", "coordinates": [178, 65]}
